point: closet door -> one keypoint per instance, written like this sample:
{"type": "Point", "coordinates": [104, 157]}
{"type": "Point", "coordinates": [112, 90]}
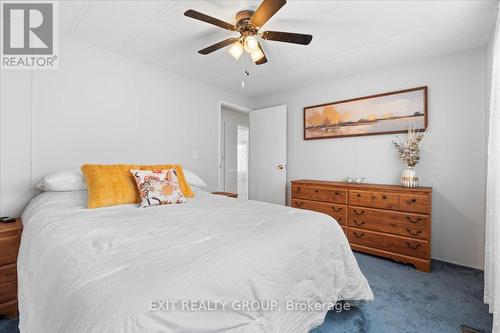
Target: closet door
{"type": "Point", "coordinates": [267, 172]}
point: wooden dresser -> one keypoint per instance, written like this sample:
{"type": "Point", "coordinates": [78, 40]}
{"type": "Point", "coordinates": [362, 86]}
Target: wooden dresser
{"type": "Point", "coordinates": [227, 194]}
{"type": "Point", "coordinates": [385, 220]}
{"type": "Point", "coordinates": [10, 237]}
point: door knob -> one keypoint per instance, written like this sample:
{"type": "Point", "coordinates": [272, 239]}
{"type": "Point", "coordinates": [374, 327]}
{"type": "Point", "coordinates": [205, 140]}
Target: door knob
{"type": "Point", "coordinates": [281, 166]}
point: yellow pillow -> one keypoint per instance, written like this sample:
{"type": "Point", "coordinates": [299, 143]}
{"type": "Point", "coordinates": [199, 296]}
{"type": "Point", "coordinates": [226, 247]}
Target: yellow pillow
{"type": "Point", "coordinates": [113, 184]}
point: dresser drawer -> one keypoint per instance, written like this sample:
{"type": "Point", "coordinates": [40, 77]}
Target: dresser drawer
{"type": "Point", "coordinates": [418, 203]}
{"type": "Point", "coordinates": [404, 224]}
{"type": "Point", "coordinates": [338, 212]}
{"type": "Point", "coordinates": [9, 309]}
{"type": "Point", "coordinates": [9, 246]}
{"type": "Point", "coordinates": [385, 200]}
{"type": "Point", "coordinates": [342, 220]}
{"type": "Point", "coordinates": [400, 245]}
{"type": "Point", "coordinates": [8, 292]}
{"type": "Point", "coordinates": [319, 194]}
{"type": "Point", "coordinates": [8, 273]}
{"type": "Point", "coordinates": [360, 198]}
{"type": "Point", "coordinates": [389, 227]}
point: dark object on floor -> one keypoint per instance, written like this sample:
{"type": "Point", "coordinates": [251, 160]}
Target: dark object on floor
{"type": "Point", "coordinates": [406, 300]}
{"type": "Point", "coordinates": [466, 329]}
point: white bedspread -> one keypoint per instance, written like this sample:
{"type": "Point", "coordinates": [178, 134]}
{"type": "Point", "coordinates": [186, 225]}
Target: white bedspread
{"type": "Point", "coordinates": [113, 269]}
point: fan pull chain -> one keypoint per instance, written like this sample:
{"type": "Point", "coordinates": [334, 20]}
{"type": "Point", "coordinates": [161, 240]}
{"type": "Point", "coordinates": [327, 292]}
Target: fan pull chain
{"type": "Point", "coordinates": [246, 73]}
{"type": "Point", "coordinates": [243, 81]}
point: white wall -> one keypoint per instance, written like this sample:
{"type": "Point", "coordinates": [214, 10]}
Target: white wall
{"type": "Point", "coordinates": [489, 72]}
{"type": "Point", "coordinates": [99, 107]}
{"type": "Point", "coordinates": [453, 157]}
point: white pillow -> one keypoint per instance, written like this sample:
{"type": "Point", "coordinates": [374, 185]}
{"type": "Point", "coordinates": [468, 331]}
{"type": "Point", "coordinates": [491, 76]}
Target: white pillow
{"type": "Point", "coordinates": [193, 179]}
{"type": "Point", "coordinates": [65, 180]}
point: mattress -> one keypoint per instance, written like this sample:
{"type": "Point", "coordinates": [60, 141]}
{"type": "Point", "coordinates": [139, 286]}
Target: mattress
{"type": "Point", "coordinates": [213, 264]}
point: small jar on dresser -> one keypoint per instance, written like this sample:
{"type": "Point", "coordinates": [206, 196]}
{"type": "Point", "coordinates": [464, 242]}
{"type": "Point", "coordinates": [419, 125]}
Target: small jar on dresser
{"type": "Point", "coordinates": [10, 237]}
{"type": "Point", "coordinates": [385, 220]}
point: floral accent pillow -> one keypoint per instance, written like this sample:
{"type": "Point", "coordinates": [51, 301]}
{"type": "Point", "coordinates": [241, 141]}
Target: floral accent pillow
{"type": "Point", "coordinates": [158, 187]}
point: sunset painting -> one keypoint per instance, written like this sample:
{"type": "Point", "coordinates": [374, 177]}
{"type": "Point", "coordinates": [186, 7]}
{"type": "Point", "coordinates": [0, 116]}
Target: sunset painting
{"type": "Point", "coordinates": [379, 114]}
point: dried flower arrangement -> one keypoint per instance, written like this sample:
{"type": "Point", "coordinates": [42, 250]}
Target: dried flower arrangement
{"type": "Point", "coordinates": [409, 149]}
{"type": "Point", "coordinates": [409, 152]}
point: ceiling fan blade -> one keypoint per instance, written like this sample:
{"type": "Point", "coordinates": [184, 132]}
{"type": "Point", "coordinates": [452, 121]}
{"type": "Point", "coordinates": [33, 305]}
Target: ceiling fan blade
{"type": "Point", "coordinates": [287, 37]}
{"type": "Point", "coordinates": [218, 45]}
{"type": "Point", "coordinates": [209, 19]}
{"type": "Point", "coordinates": [262, 60]}
{"type": "Point", "coordinates": [265, 11]}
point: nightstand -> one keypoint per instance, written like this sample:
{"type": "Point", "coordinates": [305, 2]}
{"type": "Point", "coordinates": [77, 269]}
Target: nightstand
{"type": "Point", "coordinates": [227, 194]}
{"type": "Point", "coordinates": [10, 237]}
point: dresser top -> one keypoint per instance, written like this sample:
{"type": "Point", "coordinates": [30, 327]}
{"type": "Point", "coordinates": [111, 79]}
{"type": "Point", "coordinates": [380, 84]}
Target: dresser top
{"type": "Point", "coordinates": [8, 228]}
{"type": "Point", "coordinates": [361, 186]}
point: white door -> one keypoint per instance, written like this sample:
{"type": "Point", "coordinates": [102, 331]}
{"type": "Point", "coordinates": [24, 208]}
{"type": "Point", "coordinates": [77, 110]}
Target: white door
{"type": "Point", "coordinates": [230, 157]}
{"type": "Point", "coordinates": [267, 171]}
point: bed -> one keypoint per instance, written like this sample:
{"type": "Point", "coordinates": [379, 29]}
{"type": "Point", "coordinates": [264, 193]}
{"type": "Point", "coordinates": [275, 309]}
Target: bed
{"type": "Point", "coordinates": [130, 269]}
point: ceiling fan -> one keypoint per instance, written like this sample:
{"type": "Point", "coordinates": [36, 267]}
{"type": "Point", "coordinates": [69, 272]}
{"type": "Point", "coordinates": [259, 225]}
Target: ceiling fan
{"type": "Point", "coordinates": [248, 24]}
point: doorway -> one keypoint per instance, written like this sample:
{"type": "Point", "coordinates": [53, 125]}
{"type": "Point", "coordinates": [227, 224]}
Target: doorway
{"type": "Point", "coordinates": [234, 150]}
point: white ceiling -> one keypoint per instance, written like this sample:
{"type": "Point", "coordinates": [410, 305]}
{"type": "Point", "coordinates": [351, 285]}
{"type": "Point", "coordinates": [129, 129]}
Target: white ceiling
{"type": "Point", "coordinates": [349, 36]}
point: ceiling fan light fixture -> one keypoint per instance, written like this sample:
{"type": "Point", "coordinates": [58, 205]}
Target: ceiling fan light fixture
{"type": "Point", "coordinates": [236, 50]}
{"type": "Point", "coordinates": [257, 54]}
{"type": "Point", "coordinates": [251, 44]}
{"type": "Point", "coordinates": [248, 24]}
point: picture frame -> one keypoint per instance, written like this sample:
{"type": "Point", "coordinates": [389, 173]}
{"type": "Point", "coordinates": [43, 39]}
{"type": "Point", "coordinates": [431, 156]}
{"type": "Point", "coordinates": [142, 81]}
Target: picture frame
{"type": "Point", "coordinates": [387, 113]}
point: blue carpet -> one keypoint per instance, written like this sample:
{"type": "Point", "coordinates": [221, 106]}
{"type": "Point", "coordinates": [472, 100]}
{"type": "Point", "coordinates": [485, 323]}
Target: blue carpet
{"type": "Point", "coordinates": [406, 300]}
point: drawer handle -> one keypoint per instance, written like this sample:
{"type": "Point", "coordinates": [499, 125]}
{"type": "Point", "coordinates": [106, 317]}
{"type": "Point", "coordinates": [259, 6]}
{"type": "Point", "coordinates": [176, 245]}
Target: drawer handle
{"type": "Point", "coordinates": [316, 191]}
{"type": "Point", "coordinates": [360, 235]}
{"type": "Point", "coordinates": [299, 204]}
{"type": "Point", "coordinates": [411, 201]}
{"type": "Point", "coordinates": [337, 193]}
{"type": "Point", "coordinates": [413, 221]}
{"type": "Point", "coordinates": [412, 233]}
{"type": "Point", "coordinates": [359, 224]}
{"type": "Point", "coordinates": [413, 247]}
{"type": "Point", "coordinates": [358, 195]}
{"type": "Point", "coordinates": [356, 212]}
{"type": "Point", "coordinates": [298, 189]}
{"type": "Point", "coordinates": [384, 197]}
{"type": "Point", "coordinates": [336, 209]}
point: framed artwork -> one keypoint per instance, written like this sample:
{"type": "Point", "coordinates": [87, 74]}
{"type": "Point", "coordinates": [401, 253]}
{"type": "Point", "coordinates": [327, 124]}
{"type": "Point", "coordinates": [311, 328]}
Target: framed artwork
{"type": "Point", "coordinates": [386, 113]}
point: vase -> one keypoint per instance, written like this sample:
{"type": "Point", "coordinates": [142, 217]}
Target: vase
{"type": "Point", "coordinates": [409, 177]}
